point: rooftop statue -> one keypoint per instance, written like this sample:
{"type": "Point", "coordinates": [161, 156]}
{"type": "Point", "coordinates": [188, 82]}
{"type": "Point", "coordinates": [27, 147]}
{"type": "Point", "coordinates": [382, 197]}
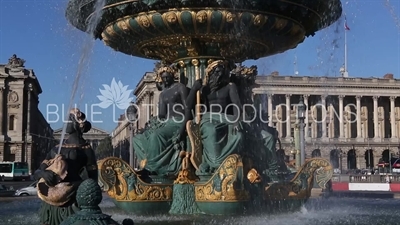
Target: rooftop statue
{"type": "Point", "coordinates": [15, 62]}
{"type": "Point", "coordinates": [158, 147]}
{"type": "Point", "coordinates": [61, 173]}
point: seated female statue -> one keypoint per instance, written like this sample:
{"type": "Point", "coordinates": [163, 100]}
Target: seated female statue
{"type": "Point", "coordinates": [61, 172]}
{"type": "Point", "coordinates": [221, 119]}
{"type": "Point", "coordinates": [156, 146]}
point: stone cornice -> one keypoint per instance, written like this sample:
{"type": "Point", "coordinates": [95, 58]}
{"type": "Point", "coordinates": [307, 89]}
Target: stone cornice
{"type": "Point", "coordinates": [340, 142]}
{"type": "Point", "coordinates": [21, 74]}
{"type": "Point", "coordinates": [327, 82]}
{"type": "Point", "coordinates": [148, 77]}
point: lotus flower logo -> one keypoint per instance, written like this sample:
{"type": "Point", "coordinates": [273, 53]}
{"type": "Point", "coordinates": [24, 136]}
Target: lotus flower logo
{"type": "Point", "coordinates": [116, 94]}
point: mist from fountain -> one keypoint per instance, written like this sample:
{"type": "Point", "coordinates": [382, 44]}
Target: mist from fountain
{"type": "Point", "coordinates": [392, 12]}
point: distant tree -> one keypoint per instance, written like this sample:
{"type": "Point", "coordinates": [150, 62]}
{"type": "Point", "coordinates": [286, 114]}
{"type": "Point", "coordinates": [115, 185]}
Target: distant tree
{"type": "Point", "coordinates": [104, 149]}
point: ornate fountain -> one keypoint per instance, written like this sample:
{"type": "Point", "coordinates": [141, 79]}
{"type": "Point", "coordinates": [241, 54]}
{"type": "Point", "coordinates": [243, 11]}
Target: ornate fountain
{"type": "Point", "coordinates": [195, 35]}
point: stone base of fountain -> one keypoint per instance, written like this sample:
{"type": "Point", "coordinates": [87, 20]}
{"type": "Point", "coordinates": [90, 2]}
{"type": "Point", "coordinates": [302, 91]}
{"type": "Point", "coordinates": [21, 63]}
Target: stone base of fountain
{"type": "Point", "coordinates": [226, 192]}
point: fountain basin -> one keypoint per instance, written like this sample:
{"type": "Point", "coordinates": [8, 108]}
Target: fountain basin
{"type": "Point", "coordinates": [178, 29]}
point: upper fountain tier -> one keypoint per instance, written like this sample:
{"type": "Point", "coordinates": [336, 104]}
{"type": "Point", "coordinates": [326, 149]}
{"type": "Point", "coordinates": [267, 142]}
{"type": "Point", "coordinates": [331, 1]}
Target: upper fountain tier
{"type": "Point", "coordinates": [173, 30]}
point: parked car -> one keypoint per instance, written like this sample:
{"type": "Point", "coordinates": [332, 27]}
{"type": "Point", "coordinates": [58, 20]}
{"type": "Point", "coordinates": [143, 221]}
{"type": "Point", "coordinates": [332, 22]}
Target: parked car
{"type": "Point", "coordinates": [6, 191]}
{"type": "Point", "coordinates": [26, 191]}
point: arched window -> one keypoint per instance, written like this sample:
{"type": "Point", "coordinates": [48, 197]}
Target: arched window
{"type": "Point", "coordinates": [386, 155]}
{"type": "Point", "coordinates": [351, 159]}
{"type": "Point", "coordinates": [11, 122]}
{"type": "Point", "coordinates": [369, 158]}
{"type": "Point", "coordinates": [334, 158]}
{"type": "Point", "coordinates": [316, 153]}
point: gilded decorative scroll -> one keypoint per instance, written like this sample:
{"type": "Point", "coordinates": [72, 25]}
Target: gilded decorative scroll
{"type": "Point", "coordinates": [226, 184]}
{"type": "Point", "coordinates": [123, 184]}
{"type": "Point", "coordinates": [300, 186]}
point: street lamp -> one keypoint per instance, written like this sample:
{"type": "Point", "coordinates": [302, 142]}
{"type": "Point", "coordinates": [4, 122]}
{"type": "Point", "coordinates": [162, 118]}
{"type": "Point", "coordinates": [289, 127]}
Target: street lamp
{"type": "Point", "coordinates": [131, 114]}
{"type": "Point", "coordinates": [301, 115]}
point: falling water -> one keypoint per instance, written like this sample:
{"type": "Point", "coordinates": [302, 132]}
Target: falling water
{"type": "Point", "coordinates": [84, 59]}
{"type": "Point", "coordinates": [392, 13]}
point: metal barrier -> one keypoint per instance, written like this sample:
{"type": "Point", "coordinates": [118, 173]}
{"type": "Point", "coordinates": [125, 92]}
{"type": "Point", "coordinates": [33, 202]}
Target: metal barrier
{"type": "Point", "coordinates": [394, 178]}
{"type": "Point", "coordinates": [361, 179]}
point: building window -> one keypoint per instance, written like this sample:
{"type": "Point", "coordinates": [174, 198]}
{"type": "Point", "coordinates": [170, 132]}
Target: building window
{"type": "Point", "coordinates": [11, 122]}
{"type": "Point", "coordinates": [316, 153]}
{"type": "Point", "coordinates": [309, 131]}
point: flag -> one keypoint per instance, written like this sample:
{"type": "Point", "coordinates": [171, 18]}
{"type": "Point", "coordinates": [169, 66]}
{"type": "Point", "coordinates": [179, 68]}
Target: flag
{"type": "Point", "coordinates": [345, 24]}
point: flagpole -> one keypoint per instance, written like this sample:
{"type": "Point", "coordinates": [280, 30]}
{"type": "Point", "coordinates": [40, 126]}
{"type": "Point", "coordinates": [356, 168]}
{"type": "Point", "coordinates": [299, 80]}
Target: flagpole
{"type": "Point", "coordinates": [345, 50]}
{"type": "Point", "coordinates": [346, 28]}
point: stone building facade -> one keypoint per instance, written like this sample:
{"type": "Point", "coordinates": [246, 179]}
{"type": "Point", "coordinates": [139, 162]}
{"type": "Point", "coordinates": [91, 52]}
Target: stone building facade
{"type": "Point", "coordinates": [25, 135]}
{"type": "Point", "coordinates": [147, 95]}
{"type": "Point", "coordinates": [120, 138]}
{"type": "Point", "coordinates": [94, 136]}
{"type": "Point", "coordinates": [354, 122]}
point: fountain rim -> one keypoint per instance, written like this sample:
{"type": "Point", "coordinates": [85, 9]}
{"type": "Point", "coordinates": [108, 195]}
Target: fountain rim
{"type": "Point", "coordinates": [199, 9]}
{"type": "Point", "coordinates": [322, 22]}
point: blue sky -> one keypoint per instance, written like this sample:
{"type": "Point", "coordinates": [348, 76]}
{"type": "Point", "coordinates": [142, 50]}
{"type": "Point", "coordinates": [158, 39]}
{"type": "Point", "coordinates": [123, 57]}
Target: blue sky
{"type": "Point", "coordinates": [37, 31]}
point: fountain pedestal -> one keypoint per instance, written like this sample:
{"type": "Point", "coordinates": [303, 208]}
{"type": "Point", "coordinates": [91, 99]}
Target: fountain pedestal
{"type": "Point", "coordinates": [195, 34]}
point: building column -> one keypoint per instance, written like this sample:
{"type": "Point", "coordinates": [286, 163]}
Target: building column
{"type": "Point", "coordinates": [288, 117]}
{"type": "Point", "coordinates": [142, 112]}
{"type": "Point", "coordinates": [358, 105]}
{"type": "Point", "coordinates": [2, 120]}
{"type": "Point", "coordinates": [270, 110]}
{"type": "Point", "coordinates": [149, 108]}
{"type": "Point", "coordinates": [341, 125]}
{"type": "Point", "coordinates": [323, 111]}
{"type": "Point", "coordinates": [306, 128]}
{"type": "Point", "coordinates": [156, 99]}
{"type": "Point", "coordinates": [392, 117]}
{"type": "Point", "coordinates": [2, 145]}
{"type": "Point", "coordinates": [375, 98]}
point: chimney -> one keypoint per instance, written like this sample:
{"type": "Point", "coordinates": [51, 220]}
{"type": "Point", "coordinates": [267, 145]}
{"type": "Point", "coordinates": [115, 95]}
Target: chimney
{"type": "Point", "coordinates": [388, 76]}
{"type": "Point", "coordinates": [275, 73]}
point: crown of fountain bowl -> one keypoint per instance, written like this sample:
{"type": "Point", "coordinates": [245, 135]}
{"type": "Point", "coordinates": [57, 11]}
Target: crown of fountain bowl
{"type": "Point", "coordinates": [172, 30]}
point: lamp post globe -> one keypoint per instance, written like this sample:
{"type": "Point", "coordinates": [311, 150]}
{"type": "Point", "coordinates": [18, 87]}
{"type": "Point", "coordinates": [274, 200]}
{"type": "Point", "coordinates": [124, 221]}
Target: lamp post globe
{"type": "Point", "coordinates": [131, 113]}
{"type": "Point", "coordinates": [301, 109]}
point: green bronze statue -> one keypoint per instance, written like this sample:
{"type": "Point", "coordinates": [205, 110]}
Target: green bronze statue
{"type": "Point", "coordinates": [62, 171]}
{"type": "Point", "coordinates": [259, 136]}
{"type": "Point", "coordinates": [220, 122]}
{"type": "Point", "coordinates": [158, 146]}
